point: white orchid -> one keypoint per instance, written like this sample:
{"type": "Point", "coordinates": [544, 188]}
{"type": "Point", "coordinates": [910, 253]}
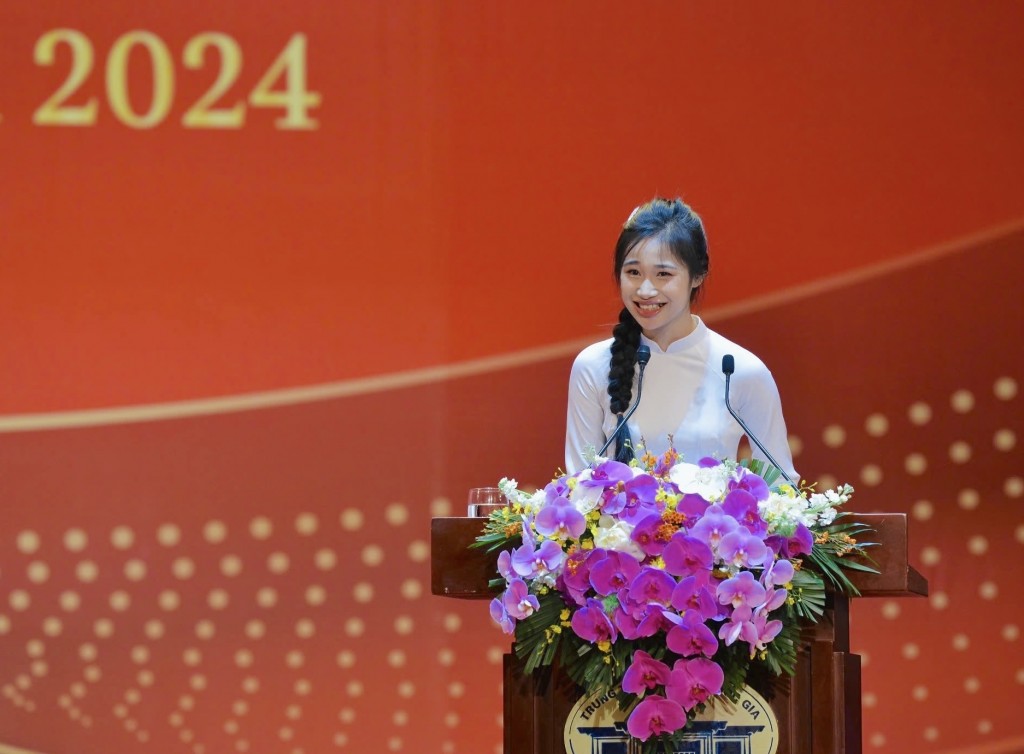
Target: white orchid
{"type": "Point", "coordinates": [708, 482]}
{"type": "Point", "coordinates": [613, 534]}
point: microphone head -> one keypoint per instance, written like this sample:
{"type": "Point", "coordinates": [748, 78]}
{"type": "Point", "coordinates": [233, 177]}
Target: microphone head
{"type": "Point", "coordinates": [643, 355]}
{"type": "Point", "coordinates": [728, 364]}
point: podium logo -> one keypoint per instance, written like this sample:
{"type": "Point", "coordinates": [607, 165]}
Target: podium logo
{"type": "Point", "coordinates": [596, 725]}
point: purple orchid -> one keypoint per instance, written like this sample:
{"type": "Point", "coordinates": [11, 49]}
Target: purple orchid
{"type": "Point", "coordinates": [500, 616]}
{"type": "Point", "coordinates": [655, 715]}
{"type": "Point", "coordinates": [556, 489]}
{"type": "Point", "coordinates": [517, 600]}
{"type": "Point", "coordinates": [612, 572]}
{"type": "Point", "coordinates": [532, 563]}
{"type": "Point", "coordinates": [656, 619]}
{"type": "Point", "coordinates": [741, 590]}
{"type": "Point", "coordinates": [739, 626]}
{"type": "Point", "coordinates": [694, 681]}
{"type": "Point", "coordinates": [639, 494]}
{"type": "Point", "coordinates": [619, 488]}
{"type": "Point", "coordinates": [799, 544]}
{"type": "Point", "coordinates": [505, 565]}
{"type": "Point", "coordinates": [751, 482]}
{"type": "Point", "coordinates": [692, 507]}
{"type": "Point", "coordinates": [741, 549]}
{"type": "Point", "coordinates": [636, 618]}
{"type": "Point", "coordinates": [560, 519]}
{"type": "Point", "coordinates": [692, 637]}
{"type": "Point", "coordinates": [644, 673]}
{"type": "Point", "coordinates": [575, 576]}
{"type": "Point", "coordinates": [609, 474]}
{"type": "Point", "coordinates": [627, 624]}
{"type": "Point", "coordinates": [651, 586]}
{"type": "Point", "coordinates": [696, 593]}
{"type": "Point", "coordinates": [778, 572]}
{"type": "Point", "coordinates": [592, 624]}
{"type": "Point", "coordinates": [649, 535]}
{"type": "Point", "coordinates": [765, 631]}
{"type": "Point", "coordinates": [773, 600]}
{"type": "Point", "coordinates": [742, 506]}
{"type": "Point", "coordinates": [685, 555]}
{"type": "Point", "coordinates": [713, 525]}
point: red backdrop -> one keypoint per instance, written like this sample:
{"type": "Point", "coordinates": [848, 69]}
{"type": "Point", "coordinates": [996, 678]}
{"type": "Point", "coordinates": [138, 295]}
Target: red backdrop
{"type": "Point", "coordinates": [250, 352]}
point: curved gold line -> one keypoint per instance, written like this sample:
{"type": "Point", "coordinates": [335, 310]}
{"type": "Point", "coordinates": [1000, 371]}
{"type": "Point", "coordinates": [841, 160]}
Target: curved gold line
{"type": "Point", "coordinates": [864, 274]}
{"type": "Point", "coordinates": [428, 375]}
{"type": "Point", "coordinates": [6, 749]}
{"type": "Point", "coordinates": [283, 397]}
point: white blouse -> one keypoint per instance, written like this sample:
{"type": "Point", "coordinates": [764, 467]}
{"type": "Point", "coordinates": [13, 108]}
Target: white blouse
{"type": "Point", "coordinates": [683, 396]}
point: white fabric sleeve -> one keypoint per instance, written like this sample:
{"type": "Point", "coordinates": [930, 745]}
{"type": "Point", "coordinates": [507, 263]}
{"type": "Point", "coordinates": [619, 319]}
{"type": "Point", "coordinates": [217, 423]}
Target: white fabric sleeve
{"type": "Point", "coordinates": [761, 409]}
{"type": "Point", "coordinates": [585, 417]}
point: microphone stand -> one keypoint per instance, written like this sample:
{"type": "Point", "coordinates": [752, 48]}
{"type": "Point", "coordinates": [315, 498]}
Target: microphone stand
{"type": "Point", "coordinates": [643, 355]}
{"type": "Point", "coordinates": [728, 367]}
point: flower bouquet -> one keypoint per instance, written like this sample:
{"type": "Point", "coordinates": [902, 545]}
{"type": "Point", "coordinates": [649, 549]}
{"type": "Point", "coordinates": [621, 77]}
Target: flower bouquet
{"type": "Point", "coordinates": [671, 581]}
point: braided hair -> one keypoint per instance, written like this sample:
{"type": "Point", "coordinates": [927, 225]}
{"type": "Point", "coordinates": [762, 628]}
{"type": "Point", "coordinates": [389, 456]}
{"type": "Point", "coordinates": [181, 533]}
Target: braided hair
{"type": "Point", "coordinates": [680, 229]}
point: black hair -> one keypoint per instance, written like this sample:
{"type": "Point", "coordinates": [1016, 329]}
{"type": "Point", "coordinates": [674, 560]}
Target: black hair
{"type": "Point", "coordinates": [680, 229]}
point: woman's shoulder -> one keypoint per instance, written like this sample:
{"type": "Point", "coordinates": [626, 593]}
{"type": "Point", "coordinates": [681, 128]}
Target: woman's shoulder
{"type": "Point", "coordinates": [594, 358]}
{"type": "Point", "coordinates": [747, 362]}
{"type": "Point", "coordinates": [596, 352]}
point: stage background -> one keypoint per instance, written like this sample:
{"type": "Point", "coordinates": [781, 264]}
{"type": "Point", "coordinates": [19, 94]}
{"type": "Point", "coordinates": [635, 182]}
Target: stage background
{"type": "Point", "coordinates": [250, 347]}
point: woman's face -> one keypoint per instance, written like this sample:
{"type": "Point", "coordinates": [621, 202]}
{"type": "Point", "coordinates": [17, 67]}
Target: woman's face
{"type": "Point", "coordinates": [656, 289]}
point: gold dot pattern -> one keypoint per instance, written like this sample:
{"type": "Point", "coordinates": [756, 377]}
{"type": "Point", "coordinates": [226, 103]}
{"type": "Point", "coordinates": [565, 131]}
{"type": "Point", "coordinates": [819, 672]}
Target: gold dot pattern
{"type": "Point", "coordinates": [955, 447]}
{"type": "Point", "coordinates": [834, 436]}
{"type": "Point", "coordinates": [175, 592]}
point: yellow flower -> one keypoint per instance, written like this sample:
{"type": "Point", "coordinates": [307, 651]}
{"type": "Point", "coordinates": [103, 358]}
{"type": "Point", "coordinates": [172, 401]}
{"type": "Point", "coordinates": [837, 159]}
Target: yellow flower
{"type": "Point", "coordinates": [564, 615]}
{"type": "Point", "coordinates": [605, 646]}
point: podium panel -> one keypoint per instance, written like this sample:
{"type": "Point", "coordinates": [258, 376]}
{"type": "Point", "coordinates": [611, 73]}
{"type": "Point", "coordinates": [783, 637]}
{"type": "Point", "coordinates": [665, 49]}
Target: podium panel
{"type": "Point", "coordinates": [818, 709]}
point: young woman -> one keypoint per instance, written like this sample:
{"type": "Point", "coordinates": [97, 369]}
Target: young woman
{"type": "Point", "coordinates": [661, 262]}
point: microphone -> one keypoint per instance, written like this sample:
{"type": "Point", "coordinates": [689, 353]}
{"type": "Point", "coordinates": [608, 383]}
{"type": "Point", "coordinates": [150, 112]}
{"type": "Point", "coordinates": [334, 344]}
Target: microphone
{"type": "Point", "coordinates": [643, 355]}
{"type": "Point", "coordinates": [728, 367]}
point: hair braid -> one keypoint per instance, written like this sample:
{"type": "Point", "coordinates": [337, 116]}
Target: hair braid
{"type": "Point", "coordinates": [620, 376]}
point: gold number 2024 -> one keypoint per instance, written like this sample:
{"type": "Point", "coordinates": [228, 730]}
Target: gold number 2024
{"type": "Point", "coordinates": [294, 97]}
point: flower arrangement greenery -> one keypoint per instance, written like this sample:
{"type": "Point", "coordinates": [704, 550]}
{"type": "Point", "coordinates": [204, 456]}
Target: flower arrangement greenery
{"type": "Point", "coordinates": [668, 580]}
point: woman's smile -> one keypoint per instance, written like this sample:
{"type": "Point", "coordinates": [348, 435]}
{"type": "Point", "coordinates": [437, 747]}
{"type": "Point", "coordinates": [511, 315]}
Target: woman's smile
{"type": "Point", "coordinates": [648, 309]}
{"type": "Point", "coordinates": [656, 290]}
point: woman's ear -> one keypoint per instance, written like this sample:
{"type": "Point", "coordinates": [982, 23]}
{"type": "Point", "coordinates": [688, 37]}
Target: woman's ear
{"type": "Point", "coordinates": [697, 282]}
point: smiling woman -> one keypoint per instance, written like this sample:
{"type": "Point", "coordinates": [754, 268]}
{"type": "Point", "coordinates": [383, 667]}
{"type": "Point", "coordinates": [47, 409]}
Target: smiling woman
{"type": "Point", "coordinates": [661, 262]}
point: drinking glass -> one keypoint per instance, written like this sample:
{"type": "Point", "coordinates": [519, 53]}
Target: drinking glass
{"type": "Point", "coordinates": [484, 500]}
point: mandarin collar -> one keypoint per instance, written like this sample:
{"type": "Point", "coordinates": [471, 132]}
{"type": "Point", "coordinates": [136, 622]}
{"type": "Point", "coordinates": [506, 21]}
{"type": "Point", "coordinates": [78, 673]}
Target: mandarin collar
{"type": "Point", "coordinates": [684, 344]}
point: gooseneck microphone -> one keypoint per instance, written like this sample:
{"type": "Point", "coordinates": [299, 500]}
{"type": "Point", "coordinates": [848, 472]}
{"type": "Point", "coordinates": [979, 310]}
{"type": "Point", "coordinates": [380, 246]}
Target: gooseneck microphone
{"type": "Point", "coordinates": [728, 367]}
{"type": "Point", "coordinates": [643, 355]}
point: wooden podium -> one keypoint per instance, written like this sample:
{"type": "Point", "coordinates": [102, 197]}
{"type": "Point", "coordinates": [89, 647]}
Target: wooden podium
{"type": "Point", "coordinates": [818, 709]}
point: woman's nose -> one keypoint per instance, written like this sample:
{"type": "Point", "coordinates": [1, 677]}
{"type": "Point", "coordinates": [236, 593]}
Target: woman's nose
{"type": "Point", "coordinates": [647, 288]}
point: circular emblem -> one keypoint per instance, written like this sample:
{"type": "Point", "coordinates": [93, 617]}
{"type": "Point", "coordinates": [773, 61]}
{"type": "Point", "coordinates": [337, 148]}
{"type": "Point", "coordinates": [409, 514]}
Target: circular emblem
{"type": "Point", "coordinates": [597, 724]}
